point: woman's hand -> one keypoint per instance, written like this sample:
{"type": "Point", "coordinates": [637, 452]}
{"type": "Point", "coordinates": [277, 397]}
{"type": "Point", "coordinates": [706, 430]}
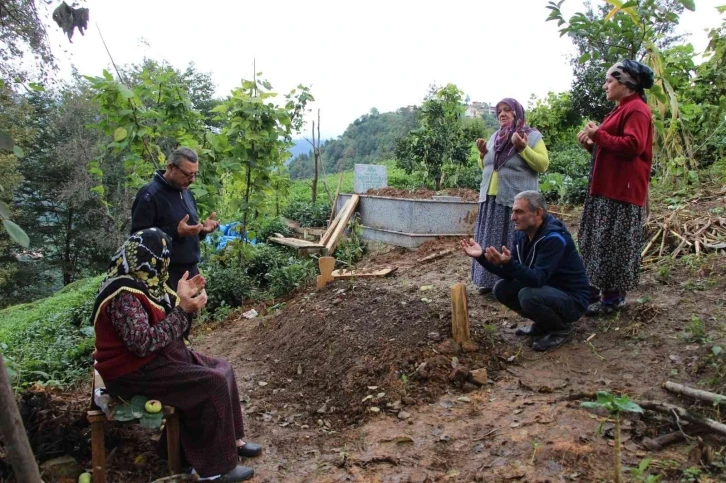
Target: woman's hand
{"type": "Point", "coordinates": [520, 142]}
{"type": "Point", "coordinates": [191, 293]}
{"type": "Point", "coordinates": [590, 129]}
{"type": "Point", "coordinates": [481, 145]}
{"type": "Point", "coordinates": [584, 140]}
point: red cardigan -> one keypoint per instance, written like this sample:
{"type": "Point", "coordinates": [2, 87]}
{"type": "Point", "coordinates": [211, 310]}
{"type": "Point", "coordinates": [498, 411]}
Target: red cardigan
{"type": "Point", "coordinates": [624, 153]}
{"type": "Point", "coordinates": [113, 358]}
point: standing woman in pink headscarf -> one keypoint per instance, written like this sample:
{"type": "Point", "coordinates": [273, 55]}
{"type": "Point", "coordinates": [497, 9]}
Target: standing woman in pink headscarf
{"type": "Point", "coordinates": [511, 161]}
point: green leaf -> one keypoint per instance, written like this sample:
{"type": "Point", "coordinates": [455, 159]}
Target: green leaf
{"type": "Point", "coordinates": [88, 331]}
{"type": "Point", "coordinates": [151, 421]}
{"type": "Point", "coordinates": [629, 406]}
{"type": "Point", "coordinates": [584, 58]}
{"type": "Point", "coordinates": [591, 405]}
{"type": "Point", "coordinates": [716, 350]}
{"type": "Point", "coordinates": [4, 210]}
{"type": "Point", "coordinates": [100, 189]}
{"type": "Point", "coordinates": [120, 134]}
{"type": "Point", "coordinates": [123, 412]}
{"type": "Point", "coordinates": [36, 87]}
{"type": "Point", "coordinates": [18, 151]}
{"type": "Point", "coordinates": [138, 402]}
{"type": "Point", "coordinates": [126, 93]}
{"type": "Point", "coordinates": [721, 8]}
{"type": "Point", "coordinates": [643, 299]}
{"type": "Point", "coordinates": [6, 141]}
{"type": "Point", "coordinates": [689, 4]}
{"type": "Point", "coordinates": [16, 233]}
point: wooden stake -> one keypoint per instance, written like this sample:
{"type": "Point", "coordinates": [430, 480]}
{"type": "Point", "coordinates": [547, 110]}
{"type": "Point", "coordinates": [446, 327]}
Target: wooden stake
{"type": "Point", "coordinates": [699, 394]}
{"type": "Point", "coordinates": [326, 265]}
{"type": "Point", "coordinates": [459, 314]}
{"type": "Point", "coordinates": [335, 200]}
{"type": "Point", "coordinates": [13, 433]}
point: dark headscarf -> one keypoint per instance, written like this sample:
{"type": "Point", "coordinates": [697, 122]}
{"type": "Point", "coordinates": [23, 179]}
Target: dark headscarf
{"type": "Point", "coordinates": [503, 147]}
{"type": "Point", "coordinates": [634, 75]}
{"type": "Point", "coordinates": [141, 265]}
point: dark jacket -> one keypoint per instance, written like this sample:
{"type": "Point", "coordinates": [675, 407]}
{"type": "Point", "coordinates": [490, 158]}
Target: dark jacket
{"type": "Point", "coordinates": [158, 204]}
{"type": "Point", "coordinates": [550, 259]}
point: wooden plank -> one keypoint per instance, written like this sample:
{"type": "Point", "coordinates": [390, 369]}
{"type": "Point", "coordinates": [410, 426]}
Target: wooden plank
{"type": "Point", "coordinates": [331, 228]}
{"type": "Point", "coordinates": [295, 242]}
{"type": "Point", "coordinates": [346, 274]}
{"type": "Point", "coordinates": [173, 446]}
{"type": "Point", "coordinates": [459, 314]}
{"type": "Point", "coordinates": [342, 224]}
{"type": "Point", "coordinates": [326, 265]}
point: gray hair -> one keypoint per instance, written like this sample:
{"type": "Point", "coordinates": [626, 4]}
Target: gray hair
{"type": "Point", "coordinates": [535, 200]}
{"type": "Point", "coordinates": [183, 153]}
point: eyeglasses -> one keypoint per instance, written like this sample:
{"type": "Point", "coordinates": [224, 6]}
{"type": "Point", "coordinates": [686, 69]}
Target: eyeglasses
{"type": "Point", "coordinates": [188, 175]}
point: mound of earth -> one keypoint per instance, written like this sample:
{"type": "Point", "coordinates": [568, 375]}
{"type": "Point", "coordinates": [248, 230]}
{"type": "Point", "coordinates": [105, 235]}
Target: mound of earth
{"type": "Point", "coordinates": [425, 194]}
{"type": "Point", "coordinates": [359, 349]}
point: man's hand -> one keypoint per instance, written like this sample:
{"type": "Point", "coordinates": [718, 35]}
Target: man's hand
{"type": "Point", "coordinates": [520, 142]}
{"type": "Point", "coordinates": [471, 248]}
{"type": "Point", "coordinates": [497, 258]}
{"type": "Point", "coordinates": [185, 230]}
{"type": "Point", "coordinates": [481, 145]}
{"type": "Point", "coordinates": [210, 224]}
{"type": "Point", "coordinates": [191, 293]}
{"type": "Point", "coordinates": [590, 129]}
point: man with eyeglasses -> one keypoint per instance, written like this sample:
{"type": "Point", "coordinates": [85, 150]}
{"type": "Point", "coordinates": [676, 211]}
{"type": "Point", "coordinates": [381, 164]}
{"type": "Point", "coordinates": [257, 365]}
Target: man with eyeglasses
{"type": "Point", "coordinates": [167, 203]}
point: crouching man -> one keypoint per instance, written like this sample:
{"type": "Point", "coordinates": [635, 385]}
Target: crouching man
{"type": "Point", "coordinates": [543, 277]}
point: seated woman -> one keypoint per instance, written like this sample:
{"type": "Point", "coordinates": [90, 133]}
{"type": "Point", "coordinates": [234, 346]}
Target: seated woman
{"type": "Point", "coordinates": [139, 322]}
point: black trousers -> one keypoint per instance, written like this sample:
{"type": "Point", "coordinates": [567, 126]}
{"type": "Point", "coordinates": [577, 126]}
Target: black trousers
{"type": "Point", "coordinates": [551, 309]}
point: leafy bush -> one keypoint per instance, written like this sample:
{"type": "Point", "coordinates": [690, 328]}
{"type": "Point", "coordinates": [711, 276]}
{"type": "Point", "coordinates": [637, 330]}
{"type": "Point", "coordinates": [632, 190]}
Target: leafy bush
{"type": "Point", "coordinates": [227, 285]}
{"type": "Point", "coordinates": [51, 340]}
{"type": "Point", "coordinates": [307, 213]}
{"type": "Point", "coordinates": [285, 279]}
{"type": "Point", "coordinates": [263, 259]}
{"type": "Point", "coordinates": [566, 179]}
{"type": "Point", "coordinates": [352, 249]}
{"type": "Point", "coordinates": [264, 228]}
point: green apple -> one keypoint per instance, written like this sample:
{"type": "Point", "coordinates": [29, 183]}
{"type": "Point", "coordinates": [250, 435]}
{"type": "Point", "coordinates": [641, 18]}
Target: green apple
{"type": "Point", "coordinates": [84, 478]}
{"type": "Point", "coordinates": [152, 406]}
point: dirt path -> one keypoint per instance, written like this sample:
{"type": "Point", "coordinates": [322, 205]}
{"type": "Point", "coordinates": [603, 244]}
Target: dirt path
{"type": "Point", "coordinates": [312, 373]}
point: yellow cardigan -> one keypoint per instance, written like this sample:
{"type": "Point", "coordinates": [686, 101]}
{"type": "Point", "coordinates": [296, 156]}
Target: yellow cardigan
{"type": "Point", "coordinates": [536, 157]}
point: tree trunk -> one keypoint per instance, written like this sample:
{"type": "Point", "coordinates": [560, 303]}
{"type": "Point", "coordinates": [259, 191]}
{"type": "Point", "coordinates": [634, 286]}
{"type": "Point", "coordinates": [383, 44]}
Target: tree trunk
{"type": "Point", "coordinates": [67, 270]}
{"type": "Point", "coordinates": [13, 433]}
{"type": "Point", "coordinates": [247, 202]}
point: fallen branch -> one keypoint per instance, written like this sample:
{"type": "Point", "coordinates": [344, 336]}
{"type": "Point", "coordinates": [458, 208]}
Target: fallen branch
{"type": "Point", "coordinates": [657, 444]}
{"type": "Point", "coordinates": [699, 394]}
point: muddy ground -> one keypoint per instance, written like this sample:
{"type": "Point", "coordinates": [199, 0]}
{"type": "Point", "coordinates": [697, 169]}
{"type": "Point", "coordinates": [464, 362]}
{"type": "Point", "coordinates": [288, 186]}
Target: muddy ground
{"type": "Point", "coordinates": [358, 381]}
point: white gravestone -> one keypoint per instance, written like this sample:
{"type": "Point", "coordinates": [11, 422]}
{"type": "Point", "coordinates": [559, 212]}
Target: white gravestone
{"type": "Point", "coordinates": [369, 176]}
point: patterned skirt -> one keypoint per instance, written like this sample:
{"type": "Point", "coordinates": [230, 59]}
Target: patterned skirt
{"type": "Point", "coordinates": [610, 240]}
{"type": "Point", "coordinates": [494, 227]}
{"type": "Point", "coordinates": [204, 391]}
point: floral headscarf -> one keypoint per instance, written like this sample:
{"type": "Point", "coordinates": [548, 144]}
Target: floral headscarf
{"type": "Point", "coordinates": [140, 265]}
{"type": "Point", "coordinates": [503, 147]}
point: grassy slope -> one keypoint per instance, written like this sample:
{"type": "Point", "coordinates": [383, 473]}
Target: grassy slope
{"type": "Point", "coordinates": [51, 340]}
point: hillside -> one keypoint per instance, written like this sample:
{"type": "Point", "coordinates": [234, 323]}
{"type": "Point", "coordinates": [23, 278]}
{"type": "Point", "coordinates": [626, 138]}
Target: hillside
{"type": "Point", "coordinates": [369, 139]}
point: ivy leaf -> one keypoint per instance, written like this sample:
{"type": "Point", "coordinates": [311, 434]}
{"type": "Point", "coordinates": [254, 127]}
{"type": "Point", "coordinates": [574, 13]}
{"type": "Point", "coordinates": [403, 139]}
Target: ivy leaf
{"type": "Point", "coordinates": [16, 233]}
{"type": "Point", "coordinates": [18, 151]}
{"type": "Point", "coordinates": [6, 141]}
{"type": "Point", "coordinates": [120, 134]}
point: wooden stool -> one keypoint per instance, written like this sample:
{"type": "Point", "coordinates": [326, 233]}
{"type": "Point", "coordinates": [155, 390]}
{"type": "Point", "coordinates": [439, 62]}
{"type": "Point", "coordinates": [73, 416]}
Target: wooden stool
{"type": "Point", "coordinates": [97, 418]}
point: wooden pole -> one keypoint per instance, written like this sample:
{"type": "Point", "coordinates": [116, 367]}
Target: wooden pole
{"type": "Point", "coordinates": [459, 314]}
{"type": "Point", "coordinates": [13, 432]}
{"type": "Point", "coordinates": [700, 394]}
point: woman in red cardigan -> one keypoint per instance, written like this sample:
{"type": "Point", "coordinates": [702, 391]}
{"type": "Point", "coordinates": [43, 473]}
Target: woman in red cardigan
{"type": "Point", "coordinates": [611, 227]}
{"type": "Point", "coordinates": [139, 322]}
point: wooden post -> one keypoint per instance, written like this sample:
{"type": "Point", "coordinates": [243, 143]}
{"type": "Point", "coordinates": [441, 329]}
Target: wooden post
{"type": "Point", "coordinates": [98, 445]}
{"type": "Point", "coordinates": [326, 265]}
{"type": "Point", "coordinates": [172, 441]}
{"type": "Point", "coordinates": [459, 314]}
{"type": "Point", "coordinates": [13, 432]}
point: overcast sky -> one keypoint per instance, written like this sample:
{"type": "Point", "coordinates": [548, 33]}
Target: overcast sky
{"type": "Point", "coordinates": [355, 56]}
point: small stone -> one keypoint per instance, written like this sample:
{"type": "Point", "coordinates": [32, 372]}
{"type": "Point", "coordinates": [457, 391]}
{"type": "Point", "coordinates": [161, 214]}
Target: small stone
{"type": "Point", "coordinates": [479, 376]}
{"type": "Point", "coordinates": [322, 409]}
{"type": "Point", "coordinates": [262, 383]}
{"type": "Point", "coordinates": [408, 401]}
{"type": "Point", "coordinates": [435, 336]}
{"type": "Point", "coordinates": [464, 399]}
{"type": "Point", "coordinates": [449, 347]}
{"type": "Point", "coordinates": [469, 387]}
{"type": "Point", "coordinates": [404, 415]}
{"type": "Point", "coordinates": [375, 409]}
{"type": "Point", "coordinates": [299, 369]}
{"type": "Point", "coordinates": [62, 467]}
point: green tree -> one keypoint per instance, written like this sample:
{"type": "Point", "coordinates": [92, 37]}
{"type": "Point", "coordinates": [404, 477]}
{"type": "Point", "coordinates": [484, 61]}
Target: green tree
{"type": "Point", "coordinates": [439, 139]}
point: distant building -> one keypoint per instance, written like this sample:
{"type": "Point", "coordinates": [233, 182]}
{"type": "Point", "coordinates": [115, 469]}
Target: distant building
{"type": "Point", "coordinates": [477, 109]}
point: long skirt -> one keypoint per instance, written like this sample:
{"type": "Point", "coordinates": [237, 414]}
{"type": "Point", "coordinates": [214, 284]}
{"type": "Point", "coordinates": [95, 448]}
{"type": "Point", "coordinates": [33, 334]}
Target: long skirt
{"type": "Point", "coordinates": [493, 227]}
{"type": "Point", "coordinates": [204, 391]}
{"type": "Point", "coordinates": [610, 240]}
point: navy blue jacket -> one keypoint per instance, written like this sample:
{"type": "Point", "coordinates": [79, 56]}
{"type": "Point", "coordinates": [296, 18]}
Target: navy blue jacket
{"type": "Point", "coordinates": [159, 204]}
{"type": "Point", "coordinates": [549, 259]}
